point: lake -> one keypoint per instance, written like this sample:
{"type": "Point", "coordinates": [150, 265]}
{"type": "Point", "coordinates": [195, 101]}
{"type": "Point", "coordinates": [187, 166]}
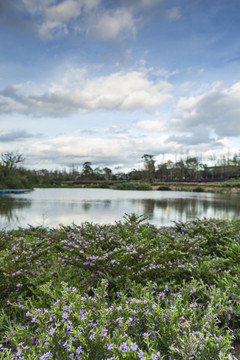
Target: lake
{"type": "Point", "coordinates": [51, 207]}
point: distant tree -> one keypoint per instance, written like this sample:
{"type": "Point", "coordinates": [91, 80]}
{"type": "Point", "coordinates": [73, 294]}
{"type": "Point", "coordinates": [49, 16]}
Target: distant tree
{"type": "Point", "coordinates": [87, 170]}
{"type": "Point", "coordinates": [180, 170]}
{"type": "Point", "coordinates": [162, 172]}
{"type": "Point", "coordinates": [149, 164]}
{"type": "Point", "coordinates": [136, 174]}
{"type": "Point", "coordinates": [192, 167]}
{"type": "Point", "coordinates": [107, 173]}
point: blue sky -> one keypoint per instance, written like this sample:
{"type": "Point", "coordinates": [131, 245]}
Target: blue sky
{"type": "Point", "coordinates": [109, 81]}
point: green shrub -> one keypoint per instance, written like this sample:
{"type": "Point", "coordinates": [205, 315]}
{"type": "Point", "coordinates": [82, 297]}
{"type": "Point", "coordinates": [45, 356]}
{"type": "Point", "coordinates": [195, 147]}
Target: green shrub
{"type": "Point", "coordinates": [3, 185]}
{"type": "Point", "coordinates": [164, 188]}
{"type": "Point", "coordinates": [13, 182]}
{"type": "Point", "coordinates": [123, 291]}
{"type": "Point", "coordinates": [132, 186]}
{"type": "Point", "coordinates": [198, 189]}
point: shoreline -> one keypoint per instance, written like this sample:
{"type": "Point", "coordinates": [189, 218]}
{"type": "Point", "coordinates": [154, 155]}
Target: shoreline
{"type": "Point", "coordinates": [192, 187]}
{"type": "Point", "coordinates": [213, 187]}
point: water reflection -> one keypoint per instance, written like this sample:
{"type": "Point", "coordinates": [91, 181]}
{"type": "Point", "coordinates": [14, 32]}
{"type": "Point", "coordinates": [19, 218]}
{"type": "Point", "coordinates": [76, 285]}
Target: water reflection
{"type": "Point", "coordinates": [9, 207]}
{"type": "Point", "coordinates": [223, 206]}
{"type": "Point", "coordinates": [51, 207]}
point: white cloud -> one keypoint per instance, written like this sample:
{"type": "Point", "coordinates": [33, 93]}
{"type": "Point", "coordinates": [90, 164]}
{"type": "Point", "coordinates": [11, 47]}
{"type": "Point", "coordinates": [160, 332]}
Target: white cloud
{"type": "Point", "coordinates": [64, 11]}
{"type": "Point", "coordinates": [53, 18]}
{"type": "Point", "coordinates": [110, 25]}
{"type": "Point", "coordinates": [71, 94]}
{"type": "Point", "coordinates": [152, 125]}
{"type": "Point", "coordinates": [97, 19]}
{"type": "Point", "coordinates": [60, 18]}
{"type": "Point", "coordinates": [206, 121]}
{"type": "Point", "coordinates": [188, 102]}
{"type": "Point", "coordinates": [217, 110]}
{"type": "Point", "coordinates": [66, 150]}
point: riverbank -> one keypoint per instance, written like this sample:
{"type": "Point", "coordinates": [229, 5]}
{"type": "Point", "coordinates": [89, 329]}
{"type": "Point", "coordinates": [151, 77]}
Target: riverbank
{"type": "Point", "coordinates": [199, 187]}
{"type": "Point", "coordinates": [128, 290]}
{"type": "Point", "coordinates": [221, 187]}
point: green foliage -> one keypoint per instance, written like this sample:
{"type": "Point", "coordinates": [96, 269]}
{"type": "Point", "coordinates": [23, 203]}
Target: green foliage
{"type": "Point", "coordinates": [13, 182]}
{"type": "Point", "coordinates": [231, 184]}
{"type": "Point", "coordinates": [132, 186]}
{"type": "Point", "coordinates": [98, 186]}
{"type": "Point", "coordinates": [198, 189]}
{"type": "Point", "coordinates": [123, 291]}
{"type": "Point", "coordinates": [164, 188]}
{"type": "Point", "coordinates": [11, 176]}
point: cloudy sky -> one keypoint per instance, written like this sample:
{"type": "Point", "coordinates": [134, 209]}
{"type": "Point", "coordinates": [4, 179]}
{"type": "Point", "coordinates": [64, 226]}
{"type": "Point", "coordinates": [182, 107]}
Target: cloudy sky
{"type": "Point", "coordinates": [107, 81]}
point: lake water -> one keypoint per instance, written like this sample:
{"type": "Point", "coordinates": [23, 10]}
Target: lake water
{"type": "Point", "coordinates": [51, 207]}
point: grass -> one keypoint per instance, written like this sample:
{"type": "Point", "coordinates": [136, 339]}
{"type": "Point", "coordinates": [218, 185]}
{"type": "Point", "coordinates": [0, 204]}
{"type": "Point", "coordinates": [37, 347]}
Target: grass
{"type": "Point", "coordinates": [123, 291]}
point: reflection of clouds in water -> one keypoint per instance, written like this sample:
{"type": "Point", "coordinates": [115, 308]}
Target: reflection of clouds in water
{"type": "Point", "coordinates": [66, 206]}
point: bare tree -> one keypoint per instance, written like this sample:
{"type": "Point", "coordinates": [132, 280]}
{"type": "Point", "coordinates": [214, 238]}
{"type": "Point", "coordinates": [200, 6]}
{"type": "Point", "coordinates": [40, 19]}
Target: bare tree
{"type": "Point", "coordinates": [10, 160]}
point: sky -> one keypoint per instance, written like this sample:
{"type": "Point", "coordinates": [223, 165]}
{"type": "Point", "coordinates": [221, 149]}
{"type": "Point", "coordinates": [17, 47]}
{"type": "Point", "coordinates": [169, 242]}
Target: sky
{"type": "Point", "coordinates": [107, 81]}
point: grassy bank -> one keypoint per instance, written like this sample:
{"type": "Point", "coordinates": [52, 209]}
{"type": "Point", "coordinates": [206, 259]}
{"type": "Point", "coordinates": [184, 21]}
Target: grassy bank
{"type": "Point", "coordinates": [221, 187]}
{"type": "Point", "coordinates": [116, 185]}
{"type": "Point", "coordinates": [218, 187]}
{"type": "Point", "coordinates": [123, 291]}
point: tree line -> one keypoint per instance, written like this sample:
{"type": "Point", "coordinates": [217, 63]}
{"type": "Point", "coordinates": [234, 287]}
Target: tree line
{"type": "Point", "coordinates": [14, 176]}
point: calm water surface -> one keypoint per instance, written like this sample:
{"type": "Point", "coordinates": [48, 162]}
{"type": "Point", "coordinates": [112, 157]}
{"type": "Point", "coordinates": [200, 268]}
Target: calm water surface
{"type": "Point", "coordinates": [51, 207]}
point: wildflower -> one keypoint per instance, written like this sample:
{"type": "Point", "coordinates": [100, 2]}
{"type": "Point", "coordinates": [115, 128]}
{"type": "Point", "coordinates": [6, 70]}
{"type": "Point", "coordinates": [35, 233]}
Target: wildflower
{"type": "Point", "coordinates": [64, 315]}
{"type": "Point", "coordinates": [124, 347]}
{"type": "Point", "coordinates": [78, 350]}
{"type": "Point", "coordinates": [34, 318]}
{"type": "Point", "coordinates": [46, 356]}
{"type": "Point", "coordinates": [157, 356]}
{"type": "Point", "coordinates": [134, 346]}
{"type": "Point", "coordinates": [51, 332]}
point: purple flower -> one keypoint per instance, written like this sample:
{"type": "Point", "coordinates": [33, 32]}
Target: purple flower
{"type": "Point", "coordinates": [65, 315]}
{"type": "Point", "coordinates": [110, 346]}
{"type": "Point", "coordinates": [134, 346]}
{"type": "Point", "coordinates": [51, 332]}
{"type": "Point", "coordinates": [46, 356]}
{"type": "Point", "coordinates": [34, 318]}
{"type": "Point", "coordinates": [78, 350]}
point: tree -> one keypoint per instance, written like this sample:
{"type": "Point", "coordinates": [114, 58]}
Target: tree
{"type": "Point", "coordinates": [87, 170]}
{"type": "Point", "coordinates": [180, 170]}
{"type": "Point", "coordinates": [192, 165]}
{"type": "Point", "coordinates": [149, 166]}
{"type": "Point", "coordinates": [9, 162]}
{"type": "Point", "coordinates": [107, 173]}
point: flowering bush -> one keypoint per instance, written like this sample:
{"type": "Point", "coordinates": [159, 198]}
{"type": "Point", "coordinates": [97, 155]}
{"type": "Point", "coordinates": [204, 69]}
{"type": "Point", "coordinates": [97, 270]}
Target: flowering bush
{"type": "Point", "coordinates": [123, 291]}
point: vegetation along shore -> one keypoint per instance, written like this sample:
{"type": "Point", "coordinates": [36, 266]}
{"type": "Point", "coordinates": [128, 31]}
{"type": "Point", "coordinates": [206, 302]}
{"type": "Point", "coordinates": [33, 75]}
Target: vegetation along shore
{"type": "Point", "coordinates": [185, 175]}
{"type": "Point", "coordinates": [123, 291]}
